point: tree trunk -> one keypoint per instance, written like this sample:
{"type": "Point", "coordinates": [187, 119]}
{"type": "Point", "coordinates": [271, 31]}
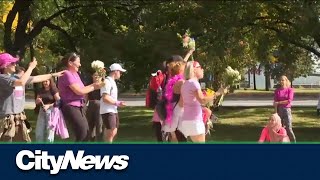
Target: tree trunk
{"type": "Point", "coordinates": [267, 77]}
{"type": "Point", "coordinates": [249, 81]}
{"type": "Point", "coordinates": [254, 78]}
{"type": "Point", "coordinates": [19, 44]}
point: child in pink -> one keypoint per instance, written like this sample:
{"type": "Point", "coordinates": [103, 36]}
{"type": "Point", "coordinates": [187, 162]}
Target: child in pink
{"type": "Point", "coordinates": [274, 132]}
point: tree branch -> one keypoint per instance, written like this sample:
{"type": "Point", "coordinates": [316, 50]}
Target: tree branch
{"type": "Point", "coordinates": [43, 22]}
{"type": "Point", "coordinates": [285, 38]}
{"type": "Point", "coordinates": [64, 32]}
{"type": "Point", "coordinates": [58, 7]}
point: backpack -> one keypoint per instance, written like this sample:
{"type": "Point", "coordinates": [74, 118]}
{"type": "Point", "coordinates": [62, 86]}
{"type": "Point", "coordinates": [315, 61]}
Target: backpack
{"type": "Point", "coordinates": [155, 89]}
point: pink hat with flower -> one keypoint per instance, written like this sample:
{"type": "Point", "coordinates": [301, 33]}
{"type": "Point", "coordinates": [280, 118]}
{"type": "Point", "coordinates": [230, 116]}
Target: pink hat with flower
{"type": "Point", "coordinates": [6, 59]}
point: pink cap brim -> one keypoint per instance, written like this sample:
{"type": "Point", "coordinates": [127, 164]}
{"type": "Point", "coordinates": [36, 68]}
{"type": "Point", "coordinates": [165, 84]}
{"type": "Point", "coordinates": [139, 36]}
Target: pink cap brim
{"type": "Point", "coordinates": [12, 60]}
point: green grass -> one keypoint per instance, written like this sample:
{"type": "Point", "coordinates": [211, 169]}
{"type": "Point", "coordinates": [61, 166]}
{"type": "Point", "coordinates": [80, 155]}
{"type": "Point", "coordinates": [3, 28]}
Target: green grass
{"type": "Point", "coordinates": [235, 125]}
{"type": "Point", "coordinates": [262, 91]}
{"type": "Point", "coordinates": [237, 92]}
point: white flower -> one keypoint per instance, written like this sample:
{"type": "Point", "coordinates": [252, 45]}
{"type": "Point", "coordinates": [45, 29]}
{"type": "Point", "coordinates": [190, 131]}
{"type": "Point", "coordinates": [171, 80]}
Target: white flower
{"type": "Point", "coordinates": [231, 76]}
{"type": "Point", "coordinates": [229, 68]}
{"type": "Point", "coordinates": [97, 64]}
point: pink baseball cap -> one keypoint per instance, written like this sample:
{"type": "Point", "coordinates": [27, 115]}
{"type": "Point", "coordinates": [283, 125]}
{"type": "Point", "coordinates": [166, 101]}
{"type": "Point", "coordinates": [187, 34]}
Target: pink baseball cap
{"type": "Point", "coordinates": [6, 59]}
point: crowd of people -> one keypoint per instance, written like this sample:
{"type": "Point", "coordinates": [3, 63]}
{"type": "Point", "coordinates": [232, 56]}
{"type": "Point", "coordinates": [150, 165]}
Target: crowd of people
{"type": "Point", "coordinates": [91, 111]}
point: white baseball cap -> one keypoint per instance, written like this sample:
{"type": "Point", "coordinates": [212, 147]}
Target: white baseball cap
{"type": "Point", "coordinates": [156, 73]}
{"type": "Point", "coordinates": [116, 67]}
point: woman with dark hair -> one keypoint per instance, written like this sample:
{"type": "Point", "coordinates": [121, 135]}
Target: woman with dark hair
{"type": "Point", "coordinates": [72, 92]}
{"type": "Point", "coordinates": [46, 98]}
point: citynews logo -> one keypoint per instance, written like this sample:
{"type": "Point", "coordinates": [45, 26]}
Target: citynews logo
{"type": "Point", "coordinates": [40, 160]}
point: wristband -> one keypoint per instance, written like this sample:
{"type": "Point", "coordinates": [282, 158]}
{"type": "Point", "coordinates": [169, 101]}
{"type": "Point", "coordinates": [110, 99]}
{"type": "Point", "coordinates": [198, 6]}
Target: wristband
{"type": "Point", "coordinates": [117, 103]}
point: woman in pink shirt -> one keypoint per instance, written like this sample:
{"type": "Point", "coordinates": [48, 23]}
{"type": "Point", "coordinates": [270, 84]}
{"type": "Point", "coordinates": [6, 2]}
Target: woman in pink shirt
{"type": "Point", "coordinates": [191, 124]}
{"type": "Point", "coordinates": [72, 93]}
{"type": "Point", "coordinates": [274, 132]}
{"type": "Point", "coordinates": [283, 97]}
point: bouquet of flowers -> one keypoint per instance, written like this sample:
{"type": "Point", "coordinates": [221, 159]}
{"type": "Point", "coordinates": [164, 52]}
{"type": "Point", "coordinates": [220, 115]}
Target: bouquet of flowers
{"type": "Point", "coordinates": [206, 112]}
{"type": "Point", "coordinates": [208, 92]}
{"type": "Point", "coordinates": [231, 77]}
{"type": "Point", "coordinates": [98, 66]}
{"type": "Point", "coordinates": [187, 41]}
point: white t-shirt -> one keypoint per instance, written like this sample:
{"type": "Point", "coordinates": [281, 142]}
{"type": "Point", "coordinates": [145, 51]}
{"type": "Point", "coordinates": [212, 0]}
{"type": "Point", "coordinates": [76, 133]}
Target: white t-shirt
{"type": "Point", "coordinates": [111, 89]}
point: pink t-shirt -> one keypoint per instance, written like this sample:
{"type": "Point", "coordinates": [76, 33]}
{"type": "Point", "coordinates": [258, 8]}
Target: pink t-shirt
{"type": "Point", "coordinates": [66, 94]}
{"type": "Point", "coordinates": [265, 134]}
{"type": "Point", "coordinates": [282, 94]}
{"type": "Point", "coordinates": [192, 107]}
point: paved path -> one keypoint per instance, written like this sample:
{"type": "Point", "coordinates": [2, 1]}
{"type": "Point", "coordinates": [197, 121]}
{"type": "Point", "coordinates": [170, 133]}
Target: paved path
{"type": "Point", "coordinates": [227, 102]}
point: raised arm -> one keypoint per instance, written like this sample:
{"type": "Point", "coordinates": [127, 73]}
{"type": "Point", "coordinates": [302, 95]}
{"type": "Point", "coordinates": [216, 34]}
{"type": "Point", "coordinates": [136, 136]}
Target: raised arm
{"type": "Point", "coordinates": [25, 77]}
{"type": "Point", "coordinates": [41, 78]}
{"type": "Point", "coordinates": [188, 55]}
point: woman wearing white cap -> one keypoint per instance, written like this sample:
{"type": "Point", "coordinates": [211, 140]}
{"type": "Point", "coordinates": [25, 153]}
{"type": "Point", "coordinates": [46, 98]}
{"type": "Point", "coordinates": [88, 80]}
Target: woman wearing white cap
{"type": "Point", "coordinates": [109, 102]}
{"type": "Point", "coordinates": [12, 98]}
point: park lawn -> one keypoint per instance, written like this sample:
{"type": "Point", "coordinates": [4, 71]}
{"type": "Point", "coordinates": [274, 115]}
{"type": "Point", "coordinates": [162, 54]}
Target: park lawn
{"type": "Point", "coordinates": [262, 91]}
{"type": "Point", "coordinates": [237, 92]}
{"type": "Point", "coordinates": [235, 125]}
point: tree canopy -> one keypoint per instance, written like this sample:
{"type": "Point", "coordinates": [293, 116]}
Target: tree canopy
{"type": "Point", "coordinates": [281, 36]}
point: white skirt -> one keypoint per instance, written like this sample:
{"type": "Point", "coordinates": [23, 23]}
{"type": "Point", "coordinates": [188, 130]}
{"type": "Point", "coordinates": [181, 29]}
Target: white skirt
{"type": "Point", "coordinates": [176, 116]}
{"type": "Point", "coordinates": [192, 127]}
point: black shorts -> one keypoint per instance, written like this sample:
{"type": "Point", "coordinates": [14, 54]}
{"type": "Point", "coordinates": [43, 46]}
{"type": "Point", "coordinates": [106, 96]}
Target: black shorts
{"type": "Point", "coordinates": [110, 120]}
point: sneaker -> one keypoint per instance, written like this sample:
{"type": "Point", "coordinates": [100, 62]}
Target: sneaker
{"type": "Point", "coordinates": [165, 136]}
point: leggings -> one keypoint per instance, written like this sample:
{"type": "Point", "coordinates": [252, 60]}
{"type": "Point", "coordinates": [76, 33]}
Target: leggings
{"type": "Point", "coordinates": [286, 120]}
{"type": "Point", "coordinates": [78, 121]}
{"type": "Point", "coordinates": [94, 121]}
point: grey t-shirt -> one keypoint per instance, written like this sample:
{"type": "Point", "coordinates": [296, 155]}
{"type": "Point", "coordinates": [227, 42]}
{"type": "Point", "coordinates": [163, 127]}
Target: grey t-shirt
{"type": "Point", "coordinates": [12, 99]}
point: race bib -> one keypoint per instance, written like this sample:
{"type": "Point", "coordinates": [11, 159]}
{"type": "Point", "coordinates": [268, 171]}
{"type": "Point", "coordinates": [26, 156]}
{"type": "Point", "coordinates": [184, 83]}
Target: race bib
{"type": "Point", "coordinates": [18, 92]}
